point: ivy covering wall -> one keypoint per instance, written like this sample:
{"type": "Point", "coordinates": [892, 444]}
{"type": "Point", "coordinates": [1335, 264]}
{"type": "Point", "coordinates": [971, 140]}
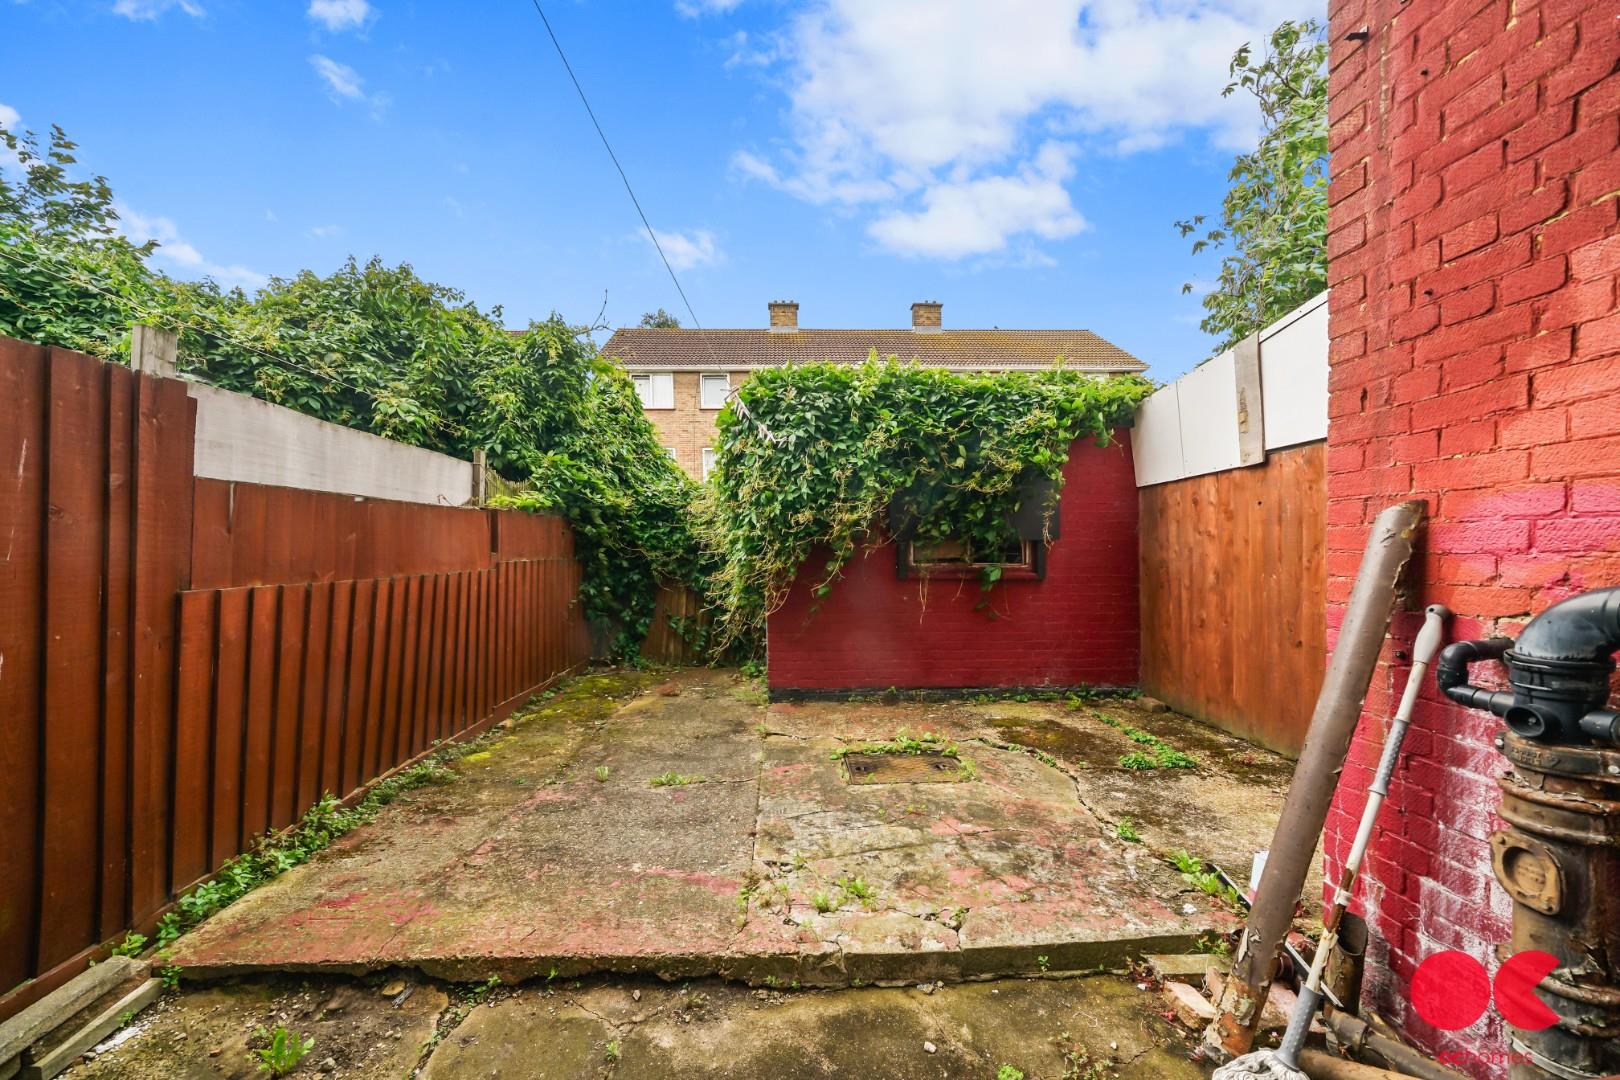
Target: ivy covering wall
{"type": "Point", "coordinates": [814, 459]}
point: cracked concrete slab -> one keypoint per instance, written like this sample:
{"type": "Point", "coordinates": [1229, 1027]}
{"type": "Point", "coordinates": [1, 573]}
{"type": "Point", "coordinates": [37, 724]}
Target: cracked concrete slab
{"type": "Point", "coordinates": [554, 853]}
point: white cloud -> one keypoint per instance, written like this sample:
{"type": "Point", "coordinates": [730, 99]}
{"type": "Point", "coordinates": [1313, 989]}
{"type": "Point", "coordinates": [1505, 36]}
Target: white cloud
{"type": "Point", "coordinates": [935, 112]}
{"type": "Point", "coordinates": [147, 10]}
{"type": "Point", "coordinates": [694, 8]}
{"type": "Point", "coordinates": [688, 250]}
{"type": "Point", "coordinates": [342, 79]}
{"type": "Point", "coordinates": [325, 232]}
{"type": "Point", "coordinates": [173, 248]}
{"type": "Point", "coordinates": [345, 84]}
{"type": "Point", "coordinates": [976, 217]}
{"type": "Point", "coordinates": [338, 15]}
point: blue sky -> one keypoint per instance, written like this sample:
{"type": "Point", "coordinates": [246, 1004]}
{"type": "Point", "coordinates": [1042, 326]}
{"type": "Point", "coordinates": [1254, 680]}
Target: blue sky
{"type": "Point", "coordinates": [1021, 161]}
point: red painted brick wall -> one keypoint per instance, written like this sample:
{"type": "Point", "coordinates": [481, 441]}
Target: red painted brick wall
{"type": "Point", "coordinates": [1079, 625]}
{"type": "Point", "coordinates": [1475, 363]}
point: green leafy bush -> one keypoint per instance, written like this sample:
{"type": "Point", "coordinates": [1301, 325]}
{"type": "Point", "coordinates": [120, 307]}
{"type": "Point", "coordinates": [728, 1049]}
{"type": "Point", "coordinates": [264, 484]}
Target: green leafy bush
{"type": "Point", "coordinates": [814, 457]}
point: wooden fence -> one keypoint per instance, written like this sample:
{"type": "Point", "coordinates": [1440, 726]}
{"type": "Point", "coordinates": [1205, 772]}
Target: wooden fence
{"type": "Point", "coordinates": [186, 663]}
{"type": "Point", "coordinates": [1233, 605]}
{"type": "Point", "coordinates": [678, 615]}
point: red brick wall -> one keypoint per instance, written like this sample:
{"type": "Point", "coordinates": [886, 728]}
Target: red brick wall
{"type": "Point", "coordinates": [1077, 626]}
{"type": "Point", "coordinates": [1475, 363]}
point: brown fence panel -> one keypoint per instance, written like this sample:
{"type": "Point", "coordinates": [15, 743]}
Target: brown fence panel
{"type": "Point", "coordinates": [254, 534]}
{"type": "Point", "coordinates": [188, 663]}
{"type": "Point", "coordinates": [675, 606]}
{"type": "Point", "coordinates": [319, 663]}
{"type": "Point", "coordinates": [1233, 601]}
{"type": "Point", "coordinates": [23, 390]}
{"type": "Point", "coordinates": [228, 722]}
{"type": "Point", "coordinates": [95, 503]}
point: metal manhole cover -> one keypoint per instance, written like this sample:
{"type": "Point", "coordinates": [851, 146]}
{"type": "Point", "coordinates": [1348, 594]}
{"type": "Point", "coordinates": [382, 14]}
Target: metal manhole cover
{"type": "Point", "coordinates": [925, 768]}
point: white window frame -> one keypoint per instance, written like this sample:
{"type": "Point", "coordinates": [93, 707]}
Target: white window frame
{"type": "Point", "coordinates": [704, 381]}
{"type": "Point", "coordinates": [655, 389]}
{"type": "Point", "coordinates": [673, 456]}
{"type": "Point", "coordinates": [708, 462]}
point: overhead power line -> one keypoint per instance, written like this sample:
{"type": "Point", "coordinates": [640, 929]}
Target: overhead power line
{"type": "Point", "coordinates": [597, 124]}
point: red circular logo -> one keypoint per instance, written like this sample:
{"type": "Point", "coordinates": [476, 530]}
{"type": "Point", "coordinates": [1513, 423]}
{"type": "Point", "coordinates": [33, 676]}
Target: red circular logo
{"type": "Point", "coordinates": [1451, 990]}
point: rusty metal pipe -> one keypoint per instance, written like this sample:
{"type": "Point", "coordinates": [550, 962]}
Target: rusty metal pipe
{"type": "Point", "coordinates": [1327, 742]}
{"type": "Point", "coordinates": [1358, 1037]}
{"type": "Point", "coordinates": [1324, 1066]}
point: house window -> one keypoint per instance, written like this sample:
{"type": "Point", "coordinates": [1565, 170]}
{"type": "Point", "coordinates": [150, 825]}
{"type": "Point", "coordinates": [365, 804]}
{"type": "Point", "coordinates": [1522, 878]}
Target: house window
{"type": "Point", "coordinates": [655, 391]}
{"type": "Point", "coordinates": [1013, 560]}
{"type": "Point", "coordinates": [670, 450]}
{"type": "Point", "coordinates": [1020, 554]}
{"type": "Point", "coordinates": [708, 461]}
{"type": "Point", "coordinates": [714, 389]}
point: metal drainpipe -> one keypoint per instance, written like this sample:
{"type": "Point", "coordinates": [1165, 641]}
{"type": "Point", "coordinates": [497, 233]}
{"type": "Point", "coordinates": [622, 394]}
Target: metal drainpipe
{"type": "Point", "coordinates": [1559, 857]}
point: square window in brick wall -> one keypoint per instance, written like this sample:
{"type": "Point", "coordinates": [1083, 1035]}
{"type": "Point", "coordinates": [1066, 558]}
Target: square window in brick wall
{"type": "Point", "coordinates": [713, 390]}
{"type": "Point", "coordinates": [655, 391]}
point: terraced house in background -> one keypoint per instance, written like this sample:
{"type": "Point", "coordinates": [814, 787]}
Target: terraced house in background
{"type": "Point", "coordinates": [684, 375]}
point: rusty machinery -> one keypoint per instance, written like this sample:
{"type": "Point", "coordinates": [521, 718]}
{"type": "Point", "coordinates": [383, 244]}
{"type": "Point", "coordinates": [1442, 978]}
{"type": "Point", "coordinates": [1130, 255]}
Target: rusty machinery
{"type": "Point", "coordinates": [1559, 857]}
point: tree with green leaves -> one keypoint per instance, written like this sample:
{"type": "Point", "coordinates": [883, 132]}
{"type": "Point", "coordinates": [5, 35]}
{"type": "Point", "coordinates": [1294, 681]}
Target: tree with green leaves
{"type": "Point", "coordinates": [376, 348]}
{"type": "Point", "coordinates": [660, 320]}
{"type": "Point", "coordinates": [1273, 226]}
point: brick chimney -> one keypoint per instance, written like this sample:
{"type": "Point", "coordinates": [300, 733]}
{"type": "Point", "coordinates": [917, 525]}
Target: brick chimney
{"type": "Point", "coordinates": [784, 316]}
{"type": "Point", "coordinates": [926, 317]}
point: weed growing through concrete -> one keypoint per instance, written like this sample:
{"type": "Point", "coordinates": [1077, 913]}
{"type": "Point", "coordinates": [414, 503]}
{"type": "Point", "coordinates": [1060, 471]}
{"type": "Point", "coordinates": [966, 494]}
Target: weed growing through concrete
{"type": "Point", "coordinates": [1193, 872]}
{"type": "Point", "coordinates": [601, 774]}
{"type": "Point", "coordinates": [1007, 1072]}
{"type": "Point", "coordinates": [1125, 829]}
{"type": "Point", "coordinates": [1077, 1064]}
{"type": "Point", "coordinates": [858, 888]}
{"type": "Point", "coordinates": [926, 743]}
{"type": "Point", "coordinates": [674, 779]}
{"type": "Point", "coordinates": [132, 945]}
{"type": "Point", "coordinates": [824, 902]}
{"type": "Point", "coordinates": [1017, 748]}
{"type": "Point", "coordinates": [284, 1051]}
{"type": "Point", "coordinates": [170, 976]}
{"type": "Point", "coordinates": [612, 1051]}
{"type": "Point", "coordinates": [1159, 755]}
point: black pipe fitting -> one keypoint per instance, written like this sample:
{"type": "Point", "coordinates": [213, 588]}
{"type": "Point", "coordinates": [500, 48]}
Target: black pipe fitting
{"type": "Point", "coordinates": [1451, 673]}
{"type": "Point", "coordinates": [1559, 669]}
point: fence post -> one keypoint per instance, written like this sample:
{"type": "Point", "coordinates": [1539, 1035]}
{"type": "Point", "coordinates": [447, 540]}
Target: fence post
{"type": "Point", "coordinates": [1251, 414]}
{"type": "Point", "coordinates": [480, 492]}
{"type": "Point", "coordinates": [154, 351]}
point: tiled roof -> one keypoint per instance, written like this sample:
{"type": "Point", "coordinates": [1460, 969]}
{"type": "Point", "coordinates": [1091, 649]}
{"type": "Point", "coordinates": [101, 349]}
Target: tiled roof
{"type": "Point", "coordinates": [966, 350]}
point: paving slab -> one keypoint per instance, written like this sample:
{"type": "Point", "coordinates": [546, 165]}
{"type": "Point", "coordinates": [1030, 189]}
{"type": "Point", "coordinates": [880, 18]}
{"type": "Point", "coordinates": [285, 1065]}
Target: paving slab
{"type": "Point", "coordinates": [681, 827]}
{"type": "Point", "coordinates": [1046, 1029]}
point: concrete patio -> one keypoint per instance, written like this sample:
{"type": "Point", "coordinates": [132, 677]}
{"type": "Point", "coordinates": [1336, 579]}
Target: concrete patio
{"type": "Point", "coordinates": [679, 826]}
